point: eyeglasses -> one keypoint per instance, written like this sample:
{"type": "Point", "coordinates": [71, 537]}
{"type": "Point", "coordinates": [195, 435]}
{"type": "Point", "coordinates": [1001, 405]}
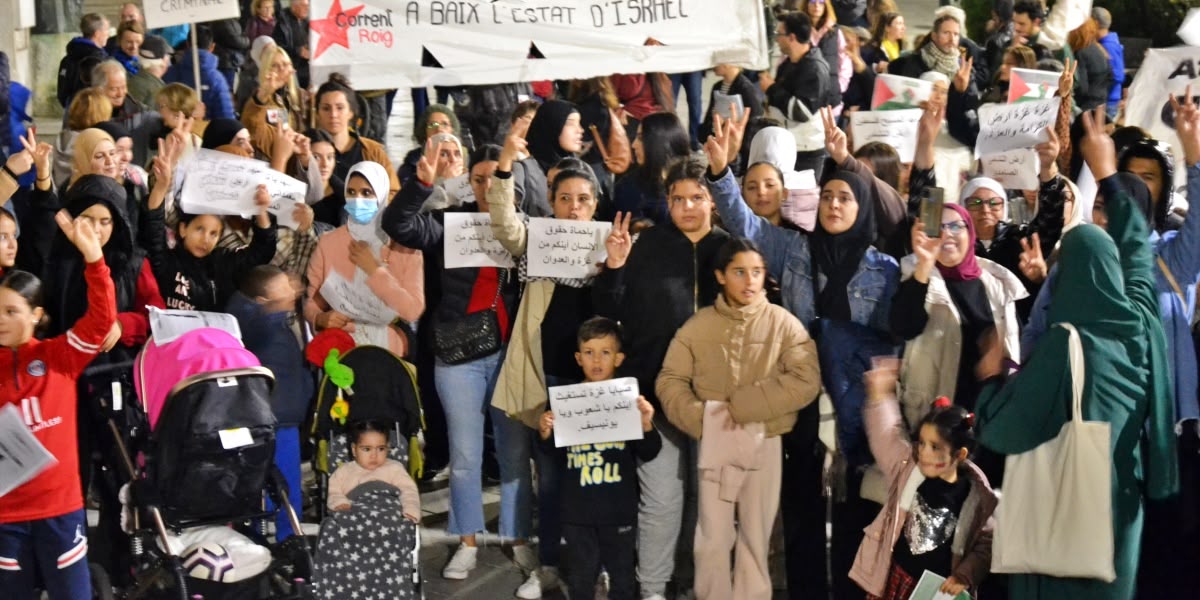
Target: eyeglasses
{"type": "Point", "coordinates": [954, 228]}
{"type": "Point", "coordinates": [435, 125]}
{"type": "Point", "coordinates": [779, 34]}
{"type": "Point", "coordinates": [976, 202]}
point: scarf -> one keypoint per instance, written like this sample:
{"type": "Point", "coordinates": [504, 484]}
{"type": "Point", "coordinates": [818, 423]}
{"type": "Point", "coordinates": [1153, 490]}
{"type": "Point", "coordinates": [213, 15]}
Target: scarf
{"type": "Point", "coordinates": [939, 60]}
{"type": "Point", "coordinates": [372, 233]}
{"type": "Point", "coordinates": [837, 256]}
{"type": "Point", "coordinates": [969, 268]}
{"type": "Point", "coordinates": [129, 62]}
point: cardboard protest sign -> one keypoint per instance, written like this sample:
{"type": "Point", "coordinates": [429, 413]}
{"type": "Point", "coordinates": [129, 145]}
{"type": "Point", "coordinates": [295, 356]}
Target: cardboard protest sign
{"type": "Point", "coordinates": [560, 248]}
{"type": "Point", "coordinates": [896, 128]}
{"type": "Point", "coordinates": [1025, 85]}
{"type": "Point", "coordinates": [468, 242]}
{"type": "Point", "coordinates": [383, 44]}
{"type": "Point", "coordinates": [595, 413]}
{"type": "Point", "coordinates": [894, 92]}
{"type": "Point", "coordinates": [1004, 127]}
{"type": "Point", "coordinates": [216, 183]}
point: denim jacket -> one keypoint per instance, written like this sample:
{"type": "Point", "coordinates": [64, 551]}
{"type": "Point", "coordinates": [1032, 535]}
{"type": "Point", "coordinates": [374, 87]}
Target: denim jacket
{"type": "Point", "coordinates": [787, 255]}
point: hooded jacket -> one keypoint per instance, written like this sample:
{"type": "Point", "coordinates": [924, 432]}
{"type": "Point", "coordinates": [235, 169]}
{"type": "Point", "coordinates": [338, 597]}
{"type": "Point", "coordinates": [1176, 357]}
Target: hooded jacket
{"type": "Point", "coordinates": [1161, 153]}
{"type": "Point", "coordinates": [269, 336]}
{"type": "Point", "coordinates": [133, 280]}
{"type": "Point", "coordinates": [75, 69]}
{"type": "Point", "coordinates": [1116, 61]}
{"type": "Point", "coordinates": [215, 93]}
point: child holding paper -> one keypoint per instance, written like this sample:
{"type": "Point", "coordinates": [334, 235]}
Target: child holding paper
{"type": "Point", "coordinates": [734, 378]}
{"type": "Point", "coordinates": [938, 517]}
{"type": "Point", "coordinates": [599, 514]}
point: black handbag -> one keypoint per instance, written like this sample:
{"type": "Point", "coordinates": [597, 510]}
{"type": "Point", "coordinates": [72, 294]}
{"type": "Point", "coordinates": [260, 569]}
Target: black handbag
{"type": "Point", "coordinates": [474, 336]}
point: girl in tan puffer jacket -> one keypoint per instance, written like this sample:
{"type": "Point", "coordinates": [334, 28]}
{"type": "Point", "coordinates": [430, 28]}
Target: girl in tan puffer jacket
{"type": "Point", "coordinates": [734, 378]}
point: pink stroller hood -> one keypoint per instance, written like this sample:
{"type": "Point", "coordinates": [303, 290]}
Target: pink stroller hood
{"type": "Point", "coordinates": [160, 368]}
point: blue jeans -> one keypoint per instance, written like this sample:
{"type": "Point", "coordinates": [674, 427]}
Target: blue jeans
{"type": "Point", "coordinates": [287, 458]}
{"type": "Point", "coordinates": [466, 393]}
{"type": "Point", "coordinates": [692, 83]}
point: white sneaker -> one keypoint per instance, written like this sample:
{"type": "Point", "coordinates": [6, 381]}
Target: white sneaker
{"type": "Point", "coordinates": [602, 585]}
{"type": "Point", "coordinates": [461, 563]}
{"type": "Point", "coordinates": [540, 580]}
{"type": "Point", "coordinates": [525, 558]}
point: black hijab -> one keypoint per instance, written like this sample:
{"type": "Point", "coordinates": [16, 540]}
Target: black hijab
{"type": "Point", "coordinates": [1136, 188]}
{"type": "Point", "coordinates": [545, 130]}
{"type": "Point", "coordinates": [837, 256]}
{"type": "Point", "coordinates": [220, 132]}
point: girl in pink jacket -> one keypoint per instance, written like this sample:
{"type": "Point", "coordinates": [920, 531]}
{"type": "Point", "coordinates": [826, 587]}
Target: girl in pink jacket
{"type": "Point", "coordinates": [938, 516]}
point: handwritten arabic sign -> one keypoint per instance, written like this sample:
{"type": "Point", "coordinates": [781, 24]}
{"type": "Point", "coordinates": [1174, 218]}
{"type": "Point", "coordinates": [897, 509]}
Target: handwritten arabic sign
{"type": "Point", "coordinates": [1004, 127]}
{"type": "Point", "coordinates": [216, 183]}
{"type": "Point", "coordinates": [468, 242]}
{"type": "Point", "coordinates": [595, 413]}
{"type": "Point", "coordinates": [566, 249]}
{"type": "Point", "coordinates": [1015, 169]}
{"type": "Point", "coordinates": [896, 128]}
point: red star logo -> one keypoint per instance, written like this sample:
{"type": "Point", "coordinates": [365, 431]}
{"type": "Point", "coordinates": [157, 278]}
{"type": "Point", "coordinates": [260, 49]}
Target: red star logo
{"type": "Point", "coordinates": [330, 31]}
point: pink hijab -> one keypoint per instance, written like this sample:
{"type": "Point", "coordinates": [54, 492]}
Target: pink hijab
{"type": "Point", "coordinates": [968, 269]}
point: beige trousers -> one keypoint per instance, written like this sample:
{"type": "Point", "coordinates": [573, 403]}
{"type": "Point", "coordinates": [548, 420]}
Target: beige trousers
{"type": "Point", "coordinates": [753, 508]}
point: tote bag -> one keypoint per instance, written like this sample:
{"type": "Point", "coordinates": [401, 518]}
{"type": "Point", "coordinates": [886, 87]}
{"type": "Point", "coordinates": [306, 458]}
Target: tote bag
{"type": "Point", "coordinates": [809, 134]}
{"type": "Point", "coordinates": [1056, 514]}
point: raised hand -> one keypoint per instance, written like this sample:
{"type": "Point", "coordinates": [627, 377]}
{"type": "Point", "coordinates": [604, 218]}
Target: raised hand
{"type": "Point", "coordinates": [1187, 125]}
{"type": "Point", "coordinates": [962, 79]}
{"type": "Point", "coordinates": [262, 200]}
{"type": "Point", "coordinates": [82, 233]}
{"type": "Point", "coordinates": [928, 129]}
{"type": "Point", "coordinates": [1047, 153]}
{"type": "Point", "coordinates": [836, 143]}
{"type": "Point", "coordinates": [618, 243]}
{"type": "Point", "coordinates": [737, 131]}
{"type": "Point", "coordinates": [880, 381]}
{"type": "Point", "coordinates": [1066, 81]}
{"type": "Point", "coordinates": [514, 144]}
{"type": "Point", "coordinates": [926, 250]}
{"type": "Point", "coordinates": [427, 164]}
{"type": "Point", "coordinates": [41, 153]}
{"type": "Point", "coordinates": [1096, 146]}
{"type": "Point", "coordinates": [1033, 264]}
{"type": "Point", "coordinates": [285, 143]}
{"type": "Point", "coordinates": [303, 214]}
{"type": "Point", "coordinates": [717, 147]}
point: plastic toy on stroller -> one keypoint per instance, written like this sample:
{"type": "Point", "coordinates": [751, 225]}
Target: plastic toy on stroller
{"type": "Point", "coordinates": [365, 383]}
{"type": "Point", "coordinates": [207, 465]}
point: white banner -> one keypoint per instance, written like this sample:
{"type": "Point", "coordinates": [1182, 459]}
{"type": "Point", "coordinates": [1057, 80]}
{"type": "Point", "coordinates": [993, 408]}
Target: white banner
{"type": "Point", "coordinates": [896, 128]}
{"type": "Point", "coordinates": [1164, 71]}
{"type": "Point", "coordinates": [566, 249]}
{"type": "Point", "coordinates": [216, 183]}
{"type": "Point", "coordinates": [382, 44]}
{"type": "Point", "coordinates": [164, 13]}
{"type": "Point", "coordinates": [595, 413]}
{"type": "Point", "coordinates": [1004, 127]}
{"type": "Point", "coordinates": [468, 242]}
{"type": "Point", "coordinates": [1015, 169]}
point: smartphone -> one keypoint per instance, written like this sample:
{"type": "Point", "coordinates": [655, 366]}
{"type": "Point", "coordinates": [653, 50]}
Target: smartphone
{"type": "Point", "coordinates": [932, 200]}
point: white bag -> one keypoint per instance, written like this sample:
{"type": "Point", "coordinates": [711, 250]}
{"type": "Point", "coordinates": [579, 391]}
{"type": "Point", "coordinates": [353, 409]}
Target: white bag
{"type": "Point", "coordinates": [1056, 514]}
{"type": "Point", "coordinates": [810, 134]}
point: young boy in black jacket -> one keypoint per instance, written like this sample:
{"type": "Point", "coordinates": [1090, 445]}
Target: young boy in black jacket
{"type": "Point", "coordinates": [599, 514]}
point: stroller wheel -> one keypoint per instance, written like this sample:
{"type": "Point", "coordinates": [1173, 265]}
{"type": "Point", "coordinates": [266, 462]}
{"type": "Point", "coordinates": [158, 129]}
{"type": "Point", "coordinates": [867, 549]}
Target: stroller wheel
{"type": "Point", "coordinates": [101, 583]}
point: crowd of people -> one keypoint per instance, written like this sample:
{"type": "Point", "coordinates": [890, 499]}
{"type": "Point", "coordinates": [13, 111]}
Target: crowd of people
{"type": "Point", "coordinates": [835, 356]}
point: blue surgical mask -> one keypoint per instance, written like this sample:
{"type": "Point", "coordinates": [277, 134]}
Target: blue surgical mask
{"type": "Point", "coordinates": [362, 210]}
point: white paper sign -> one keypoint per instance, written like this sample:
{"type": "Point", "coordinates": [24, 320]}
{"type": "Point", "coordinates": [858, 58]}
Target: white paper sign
{"type": "Point", "coordinates": [355, 300]}
{"type": "Point", "coordinates": [595, 413]}
{"type": "Point", "coordinates": [216, 183]}
{"type": "Point", "coordinates": [383, 44]}
{"type": "Point", "coordinates": [164, 13]}
{"type": "Point", "coordinates": [1015, 169]}
{"type": "Point", "coordinates": [167, 326]}
{"type": "Point", "coordinates": [896, 128]}
{"type": "Point", "coordinates": [468, 242]}
{"type": "Point", "coordinates": [566, 249]}
{"type": "Point", "coordinates": [1004, 127]}
{"type": "Point", "coordinates": [22, 456]}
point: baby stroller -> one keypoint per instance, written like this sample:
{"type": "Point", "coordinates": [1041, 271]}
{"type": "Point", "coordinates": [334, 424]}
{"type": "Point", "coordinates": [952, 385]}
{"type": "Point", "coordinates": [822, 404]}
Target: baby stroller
{"type": "Point", "coordinates": [383, 388]}
{"type": "Point", "coordinates": [206, 464]}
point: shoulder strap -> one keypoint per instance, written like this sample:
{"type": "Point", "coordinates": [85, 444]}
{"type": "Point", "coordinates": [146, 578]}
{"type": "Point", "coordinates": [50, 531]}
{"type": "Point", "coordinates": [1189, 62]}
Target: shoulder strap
{"type": "Point", "coordinates": [1075, 354]}
{"type": "Point", "coordinates": [1171, 279]}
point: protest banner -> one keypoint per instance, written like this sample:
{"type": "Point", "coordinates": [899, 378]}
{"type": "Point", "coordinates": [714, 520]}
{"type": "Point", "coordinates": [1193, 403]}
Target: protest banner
{"type": "Point", "coordinates": [1025, 85]}
{"type": "Point", "coordinates": [216, 183]}
{"type": "Point", "coordinates": [1164, 71]}
{"type": "Point", "coordinates": [468, 242]}
{"type": "Point", "coordinates": [164, 13]}
{"type": "Point", "coordinates": [596, 413]}
{"type": "Point", "coordinates": [896, 128]}
{"type": "Point", "coordinates": [167, 326]}
{"type": "Point", "coordinates": [895, 92]}
{"type": "Point", "coordinates": [22, 456]}
{"type": "Point", "coordinates": [566, 249]}
{"type": "Point", "coordinates": [1015, 169]}
{"type": "Point", "coordinates": [1004, 127]}
{"type": "Point", "coordinates": [383, 44]}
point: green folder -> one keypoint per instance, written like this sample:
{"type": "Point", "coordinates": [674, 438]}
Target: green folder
{"type": "Point", "coordinates": [929, 586]}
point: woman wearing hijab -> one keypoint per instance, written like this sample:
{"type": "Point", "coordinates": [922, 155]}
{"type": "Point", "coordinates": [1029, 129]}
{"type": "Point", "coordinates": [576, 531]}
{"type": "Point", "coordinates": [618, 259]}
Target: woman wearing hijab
{"type": "Point", "coordinates": [554, 133]}
{"type": "Point", "coordinates": [436, 119]}
{"type": "Point", "coordinates": [1106, 289]}
{"type": "Point", "coordinates": [358, 279]}
{"type": "Point", "coordinates": [841, 288]}
{"type": "Point", "coordinates": [102, 200]}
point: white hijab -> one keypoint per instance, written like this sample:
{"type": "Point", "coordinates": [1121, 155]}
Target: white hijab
{"type": "Point", "coordinates": [372, 233]}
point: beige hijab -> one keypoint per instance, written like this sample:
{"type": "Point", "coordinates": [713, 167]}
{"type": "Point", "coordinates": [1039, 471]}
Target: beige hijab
{"type": "Point", "coordinates": [85, 144]}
